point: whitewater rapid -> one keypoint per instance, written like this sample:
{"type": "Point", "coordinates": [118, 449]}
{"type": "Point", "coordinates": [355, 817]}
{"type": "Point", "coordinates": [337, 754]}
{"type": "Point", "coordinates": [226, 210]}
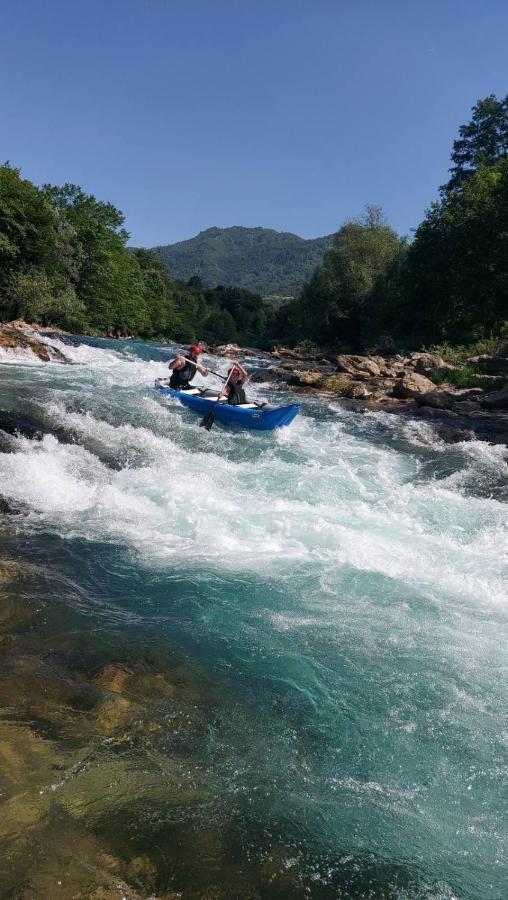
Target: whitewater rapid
{"type": "Point", "coordinates": [352, 563]}
{"type": "Point", "coordinates": [320, 493]}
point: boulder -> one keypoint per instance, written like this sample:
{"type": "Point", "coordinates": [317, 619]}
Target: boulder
{"type": "Point", "coordinates": [437, 399]}
{"type": "Point", "coordinates": [337, 384]}
{"type": "Point", "coordinates": [227, 350]}
{"type": "Point", "coordinates": [412, 385]}
{"type": "Point", "coordinates": [14, 338]}
{"type": "Point", "coordinates": [497, 400]}
{"type": "Point", "coordinates": [354, 364]}
{"type": "Point", "coordinates": [392, 370]}
{"type": "Point", "coordinates": [303, 378]}
{"type": "Point", "coordinates": [273, 373]}
{"type": "Point", "coordinates": [489, 365]}
{"type": "Point", "coordinates": [425, 363]}
{"type": "Point", "coordinates": [356, 391]}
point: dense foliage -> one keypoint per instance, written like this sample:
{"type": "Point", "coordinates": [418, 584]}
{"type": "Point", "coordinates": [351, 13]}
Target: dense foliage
{"type": "Point", "coordinates": [64, 261]}
{"type": "Point", "coordinates": [450, 284]}
{"type": "Point", "coordinates": [259, 259]}
{"type": "Point", "coordinates": [482, 142]}
{"type": "Point", "coordinates": [339, 302]}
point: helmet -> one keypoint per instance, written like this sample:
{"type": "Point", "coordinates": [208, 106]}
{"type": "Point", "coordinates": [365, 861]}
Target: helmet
{"type": "Point", "coordinates": [234, 372]}
{"type": "Point", "coordinates": [195, 349]}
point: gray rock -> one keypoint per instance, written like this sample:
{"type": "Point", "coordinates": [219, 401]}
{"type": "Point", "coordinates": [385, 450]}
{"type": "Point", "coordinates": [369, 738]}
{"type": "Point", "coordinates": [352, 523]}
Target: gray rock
{"type": "Point", "coordinates": [411, 385]}
{"type": "Point", "coordinates": [498, 399]}
{"type": "Point", "coordinates": [355, 364]}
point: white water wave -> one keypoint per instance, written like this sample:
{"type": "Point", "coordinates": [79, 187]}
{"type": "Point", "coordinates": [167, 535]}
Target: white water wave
{"type": "Point", "coordinates": [320, 493]}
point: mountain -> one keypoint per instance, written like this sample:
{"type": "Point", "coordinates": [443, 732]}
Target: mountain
{"type": "Point", "coordinates": [260, 259]}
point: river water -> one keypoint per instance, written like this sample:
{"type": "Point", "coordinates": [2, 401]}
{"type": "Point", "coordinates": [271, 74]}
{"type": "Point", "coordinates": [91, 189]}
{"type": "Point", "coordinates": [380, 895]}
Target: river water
{"type": "Point", "coordinates": [241, 665]}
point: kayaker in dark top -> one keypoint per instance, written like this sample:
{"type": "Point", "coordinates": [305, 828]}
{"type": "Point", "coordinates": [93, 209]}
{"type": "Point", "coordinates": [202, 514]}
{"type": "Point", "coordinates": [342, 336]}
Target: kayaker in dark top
{"type": "Point", "coordinates": [184, 369]}
{"type": "Point", "coordinates": [234, 389]}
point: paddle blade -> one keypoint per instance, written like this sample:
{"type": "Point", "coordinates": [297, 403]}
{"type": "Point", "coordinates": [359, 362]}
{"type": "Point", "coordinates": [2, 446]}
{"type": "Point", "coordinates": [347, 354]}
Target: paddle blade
{"type": "Point", "coordinates": [208, 420]}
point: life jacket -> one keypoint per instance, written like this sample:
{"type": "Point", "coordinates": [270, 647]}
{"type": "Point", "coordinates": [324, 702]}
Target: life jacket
{"type": "Point", "coordinates": [236, 394]}
{"type": "Point", "coordinates": [180, 378]}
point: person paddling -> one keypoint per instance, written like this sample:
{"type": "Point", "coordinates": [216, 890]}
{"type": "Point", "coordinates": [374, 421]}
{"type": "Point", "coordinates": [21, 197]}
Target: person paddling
{"type": "Point", "coordinates": [234, 388]}
{"type": "Point", "coordinates": [184, 368]}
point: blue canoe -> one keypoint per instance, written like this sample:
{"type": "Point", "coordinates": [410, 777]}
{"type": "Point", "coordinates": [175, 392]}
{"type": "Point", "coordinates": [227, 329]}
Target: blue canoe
{"type": "Point", "coordinates": [262, 418]}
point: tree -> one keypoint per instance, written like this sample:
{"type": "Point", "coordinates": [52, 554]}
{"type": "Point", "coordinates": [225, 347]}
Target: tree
{"type": "Point", "coordinates": [457, 273]}
{"type": "Point", "coordinates": [482, 142]}
{"type": "Point", "coordinates": [28, 228]}
{"type": "Point", "coordinates": [220, 326]}
{"type": "Point", "coordinates": [109, 280]}
{"type": "Point", "coordinates": [337, 305]}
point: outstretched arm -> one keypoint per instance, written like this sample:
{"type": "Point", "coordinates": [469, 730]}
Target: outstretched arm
{"type": "Point", "coordinates": [245, 375]}
{"type": "Point", "coordinates": [177, 363]}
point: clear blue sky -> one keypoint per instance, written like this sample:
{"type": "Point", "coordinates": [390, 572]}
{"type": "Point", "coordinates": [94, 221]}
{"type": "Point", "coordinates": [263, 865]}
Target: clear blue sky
{"type": "Point", "coordinates": [292, 114]}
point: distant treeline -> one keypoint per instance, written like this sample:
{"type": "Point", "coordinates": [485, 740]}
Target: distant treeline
{"type": "Point", "coordinates": [64, 262]}
{"type": "Point", "coordinates": [449, 285]}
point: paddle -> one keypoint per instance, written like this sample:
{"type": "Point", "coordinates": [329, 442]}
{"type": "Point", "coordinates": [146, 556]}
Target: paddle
{"type": "Point", "coordinates": [191, 361]}
{"type": "Point", "coordinates": [209, 419]}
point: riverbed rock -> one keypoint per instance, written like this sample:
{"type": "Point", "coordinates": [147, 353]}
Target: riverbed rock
{"type": "Point", "coordinates": [12, 337]}
{"type": "Point", "coordinates": [356, 391]}
{"type": "Point", "coordinates": [227, 350]}
{"type": "Point", "coordinates": [489, 365]}
{"type": "Point", "coordinates": [425, 363]}
{"type": "Point", "coordinates": [337, 384]}
{"type": "Point", "coordinates": [411, 385]}
{"type": "Point", "coordinates": [354, 364]}
{"type": "Point", "coordinates": [113, 678]}
{"type": "Point", "coordinates": [113, 714]}
{"type": "Point", "coordinates": [302, 378]}
{"type": "Point", "coordinates": [498, 399]}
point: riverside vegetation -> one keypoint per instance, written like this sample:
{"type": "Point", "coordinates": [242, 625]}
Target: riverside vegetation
{"type": "Point", "coordinates": [64, 261]}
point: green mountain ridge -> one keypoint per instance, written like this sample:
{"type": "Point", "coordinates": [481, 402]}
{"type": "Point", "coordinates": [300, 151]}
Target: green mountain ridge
{"type": "Point", "coordinates": [259, 259]}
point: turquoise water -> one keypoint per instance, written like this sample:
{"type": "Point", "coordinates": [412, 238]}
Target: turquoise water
{"type": "Point", "coordinates": [332, 599]}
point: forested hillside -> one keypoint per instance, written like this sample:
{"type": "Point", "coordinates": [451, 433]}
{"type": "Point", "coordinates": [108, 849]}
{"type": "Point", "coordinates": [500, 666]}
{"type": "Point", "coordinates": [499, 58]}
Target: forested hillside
{"type": "Point", "coordinates": [259, 259]}
{"type": "Point", "coordinates": [64, 261]}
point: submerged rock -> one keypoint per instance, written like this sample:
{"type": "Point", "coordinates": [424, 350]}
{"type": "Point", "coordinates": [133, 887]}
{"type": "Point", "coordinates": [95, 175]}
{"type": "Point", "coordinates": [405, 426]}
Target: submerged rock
{"type": "Point", "coordinates": [113, 714]}
{"type": "Point", "coordinates": [113, 678]}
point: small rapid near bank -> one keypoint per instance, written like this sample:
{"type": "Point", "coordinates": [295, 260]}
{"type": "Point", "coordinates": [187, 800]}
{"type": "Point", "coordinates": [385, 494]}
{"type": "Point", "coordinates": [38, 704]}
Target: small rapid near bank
{"type": "Point", "coordinates": [344, 579]}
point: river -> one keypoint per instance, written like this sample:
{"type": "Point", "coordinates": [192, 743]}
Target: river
{"type": "Point", "coordinates": [246, 665]}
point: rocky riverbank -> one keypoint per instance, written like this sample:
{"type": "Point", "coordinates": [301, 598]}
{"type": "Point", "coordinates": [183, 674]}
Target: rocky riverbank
{"type": "Point", "coordinates": [405, 385]}
{"type": "Point", "coordinates": [399, 384]}
{"type": "Point", "coordinates": [20, 337]}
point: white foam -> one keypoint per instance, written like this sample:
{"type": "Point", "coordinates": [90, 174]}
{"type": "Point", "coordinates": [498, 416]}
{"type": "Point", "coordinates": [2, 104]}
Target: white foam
{"type": "Point", "coordinates": [313, 494]}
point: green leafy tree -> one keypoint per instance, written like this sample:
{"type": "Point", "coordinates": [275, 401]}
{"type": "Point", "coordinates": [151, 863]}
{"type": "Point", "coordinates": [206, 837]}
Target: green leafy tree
{"type": "Point", "coordinates": [109, 281]}
{"type": "Point", "coordinates": [248, 310]}
{"type": "Point", "coordinates": [482, 142]}
{"type": "Point", "coordinates": [220, 326]}
{"type": "Point", "coordinates": [338, 304]}
{"type": "Point", "coordinates": [457, 273]}
{"type": "Point", "coordinates": [33, 297]}
{"type": "Point", "coordinates": [28, 229]}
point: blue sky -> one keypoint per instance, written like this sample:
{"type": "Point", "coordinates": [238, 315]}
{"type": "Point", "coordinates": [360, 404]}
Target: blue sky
{"type": "Point", "coordinates": [291, 114]}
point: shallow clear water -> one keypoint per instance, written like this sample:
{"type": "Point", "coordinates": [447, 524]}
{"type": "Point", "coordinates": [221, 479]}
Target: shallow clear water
{"type": "Point", "coordinates": [324, 608]}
